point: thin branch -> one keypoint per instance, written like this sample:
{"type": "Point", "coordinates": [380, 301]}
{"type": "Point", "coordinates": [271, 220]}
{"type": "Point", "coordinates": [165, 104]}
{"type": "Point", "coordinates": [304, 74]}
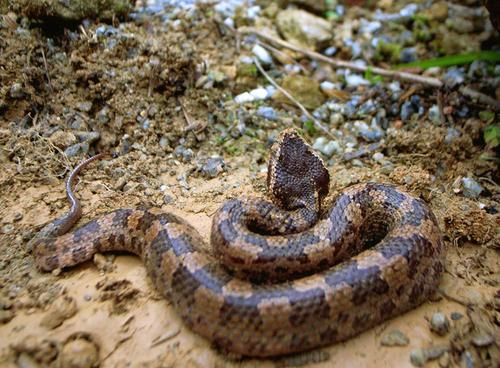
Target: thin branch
{"type": "Point", "coordinates": [403, 76]}
{"type": "Point", "coordinates": [46, 70]}
{"type": "Point", "coordinates": [287, 94]}
{"type": "Point", "coordinates": [433, 82]}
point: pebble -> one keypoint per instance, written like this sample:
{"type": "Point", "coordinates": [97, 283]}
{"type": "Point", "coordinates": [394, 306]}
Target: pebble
{"type": "Point", "coordinates": [77, 149]}
{"type": "Point", "coordinates": [482, 339]}
{"type": "Point", "coordinates": [455, 316]}
{"type": "Point", "coordinates": [259, 93]}
{"type": "Point", "coordinates": [370, 134]}
{"type": "Point", "coordinates": [419, 357]}
{"type": "Point", "coordinates": [328, 148]}
{"type": "Point", "coordinates": [213, 167]}
{"type": "Point", "coordinates": [354, 46]}
{"type": "Point", "coordinates": [378, 156]}
{"type": "Point", "coordinates": [330, 51]}
{"type": "Point", "coordinates": [336, 118]}
{"type": "Point", "coordinates": [453, 77]}
{"type": "Point", "coordinates": [26, 361]}
{"type": "Point", "coordinates": [355, 80]}
{"type": "Point", "coordinates": [84, 106]}
{"type": "Point", "coordinates": [407, 110]}
{"type": "Point", "coordinates": [16, 90]}
{"type": "Point", "coordinates": [61, 309]}
{"type": "Point", "coordinates": [186, 154]}
{"type": "Point", "coordinates": [103, 115]}
{"type": "Point", "coordinates": [395, 338]}
{"type": "Point", "coordinates": [367, 108]}
{"type": "Point", "coordinates": [262, 54]}
{"type": "Point", "coordinates": [434, 114]}
{"type": "Point", "coordinates": [268, 113]}
{"type": "Point", "coordinates": [243, 98]}
{"type": "Point", "coordinates": [62, 139]}
{"type": "Point", "coordinates": [439, 324]}
{"type": "Point", "coordinates": [89, 137]}
{"type": "Point", "coordinates": [408, 55]}
{"type": "Point", "coordinates": [451, 135]}
{"type": "Point", "coordinates": [471, 188]}
{"type": "Point", "coordinates": [79, 353]}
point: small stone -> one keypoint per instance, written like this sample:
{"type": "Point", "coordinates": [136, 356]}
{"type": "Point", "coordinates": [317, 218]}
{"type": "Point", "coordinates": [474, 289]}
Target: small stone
{"type": "Point", "coordinates": [454, 77]}
{"type": "Point", "coordinates": [395, 338]}
{"type": "Point", "coordinates": [303, 28]}
{"type": "Point", "coordinates": [336, 119]}
{"type": "Point", "coordinates": [88, 137]}
{"type": "Point", "coordinates": [268, 113]}
{"type": "Point", "coordinates": [77, 149]}
{"type": "Point", "coordinates": [259, 93]}
{"type": "Point", "coordinates": [408, 55]}
{"type": "Point", "coordinates": [26, 361]}
{"type": "Point", "coordinates": [455, 316]}
{"type": "Point", "coordinates": [186, 154]}
{"type": "Point", "coordinates": [439, 324]}
{"type": "Point", "coordinates": [262, 54]}
{"type": "Point", "coordinates": [213, 167]}
{"type": "Point", "coordinates": [326, 147]}
{"type": "Point", "coordinates": [451, 135]}
{"type": "Point", "coordinates": [6, 316]}
{"type": "Point", "coordinates": [63, 308]}
{"type": "Point", "coordinates": [407, 110]}
{"type": "Point", "coordinates": [62, 139]}
{"type": "Point", "coordinates": [79, 353]}
{"type": "Point", "coordinates": [482, 339]}
{"type": "Point", "coordinates": [8, 228]}
{"type": "Point", "coordinates": [84, 106]}
{"type": "Point", "coordinates": [354, 80]}
{"type": "Point", "coordinates": [103, 115]}
{"type": "Point", "coordinates": [418, 357]}
{"type": "Point", "coordinates": [471, 188]}
{"type": "Point", "coordinates": [434, 114]}
{"type": "Point", "coordinates": [330, 51]}
{"type": "Point", "coordinates": [16, 90]}
{"type": "Point", "coordinates": [243, 98]}
{"type": "Point", "coordinates": [378, 156]}
{"type": "Point", "coordinates": [164, 142]}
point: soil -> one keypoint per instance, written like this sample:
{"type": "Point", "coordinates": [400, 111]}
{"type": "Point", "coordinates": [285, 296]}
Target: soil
{"type": "Point", "coordinates": [106, 312]}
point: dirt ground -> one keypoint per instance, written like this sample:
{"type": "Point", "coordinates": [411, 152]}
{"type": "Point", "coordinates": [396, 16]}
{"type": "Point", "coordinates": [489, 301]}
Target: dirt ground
{"type": "Point", "coordinates": [106, 312]}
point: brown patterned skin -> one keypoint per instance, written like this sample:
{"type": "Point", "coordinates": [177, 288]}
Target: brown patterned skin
{"type": "Point", "coordinates": [300, 287]}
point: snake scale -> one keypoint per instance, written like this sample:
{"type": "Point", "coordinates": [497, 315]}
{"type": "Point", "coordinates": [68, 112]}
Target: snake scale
{"type": "Point", "coordinates": [283, 276]}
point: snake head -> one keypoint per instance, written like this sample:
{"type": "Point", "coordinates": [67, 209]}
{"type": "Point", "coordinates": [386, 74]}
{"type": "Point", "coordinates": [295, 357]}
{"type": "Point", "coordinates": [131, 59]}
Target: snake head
{"type": "Point", "coordinates": [296, 176]}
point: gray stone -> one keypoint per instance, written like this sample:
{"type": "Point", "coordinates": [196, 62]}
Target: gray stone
{"type": "Point", "coordinates": [471, 188]}
{"type": "Point", "coordinates": [304, 28]}
{"type": "Point", "coordinates": [268, 113]}
{"type": "Point", "coordinates": [213, 167]}
{"type": "Point", "coordinates": [84, 106]}
{"type": "Point", "coordinates": [77, 149]}
{"type": "Point", "coordinates": [395, 338]}
{"type": "Point", "coordinates": [355, 80]}
{"type": "Point", "coordinates": [418, 357]}
{"type": "Point", "coordinates": [434, 114]}
{"type": "Point", "coordinates": [451, 135]}
{"type": "Point", "coordinates": [262, 54]}
{"type": "Point", "coordinates": [407, 110]}
{"type": "Point", "coordinates": [454, 77]}
{"type": "Point", "coordinates": [16, 90]}
{"type": "Point", "coordinates": [439, 324]}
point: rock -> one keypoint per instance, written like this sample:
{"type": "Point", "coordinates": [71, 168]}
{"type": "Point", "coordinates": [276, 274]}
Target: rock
{"type": "Point", "coordinates": [355, 80]}
{"type": "Point", "coordinates": [407, 110]}
{"type": "Point", "coordinates": [16, 90]}
{"type": "Point", "coordinates": [186, 154]}
{"type": "Point", "coordinates": [408, 55]}
{"type": "Point", "coordinates": [455, 316]}
{"type": "Point", "coordinates": [328, 148]}
{"type": "Point", "coordinates": [102, 116]}
{"type": "Point", "coordinates": [26, 361]}
{"type": "Point", "coordinates": [330, 51]}
{"type": "Point", "coordinates": [418, 358]}
{"type": "Point", "coordinates": [303, 28]}
{"type": "Point", "coordinates": [378, 156]}
{"type": "Point", "coordinates": [268, 113]}
{"type": "Point", "coordinates": [451, 135]}
{"type": "Point", "coordinates": [84, 106]}
{"type": "Point", "coordinates": [62, 139]}
{"type": "Point", "coordinates": [482, 339]}
{"type": "Point", "coordinates": [213, 167]}
{"type": "Point", "coordinates": [336, 119]}
{"type": "Point", "coordinates": [259, 93]}
{"type": "Point", "coordinates": [79, 353]}
{"type": "Point", "coordinates": [368, 133]}
{"type": "Point", "coordinates": [439, 324]}
{"type": "Point", "coordinates": [453, 77]}
{"type": "Point", "coordinates": [6, 316]}
{"type": "Point", "coordinates": [438, 11]}
{"type": "Point", "coordinates": [434, 114]}
{"type": "Point", "coordinates": [304, 89]}
{"type": "Point", "coordinates": [244, 98]}
{"type": "Point", "coordinates": [77, 149]}
{"type": "Point", "coordinates": [395, 338]}
{"type": "Point", "coordinates": [355, 47]}
{"type": "Point", "coordinates": [471, 188]}
{"type": "Point", "coordinates": [262, 54]}
{"type": "Point", "coordinates": [61, 309]}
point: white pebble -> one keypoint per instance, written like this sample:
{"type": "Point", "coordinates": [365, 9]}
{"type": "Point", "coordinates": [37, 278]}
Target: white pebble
{"type": "Point", "coordinates": [262, 54]}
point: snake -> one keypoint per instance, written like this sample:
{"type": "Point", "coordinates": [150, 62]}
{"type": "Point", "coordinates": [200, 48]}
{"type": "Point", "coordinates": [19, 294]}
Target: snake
{"type": "Point", "coordinates": [282, 276]}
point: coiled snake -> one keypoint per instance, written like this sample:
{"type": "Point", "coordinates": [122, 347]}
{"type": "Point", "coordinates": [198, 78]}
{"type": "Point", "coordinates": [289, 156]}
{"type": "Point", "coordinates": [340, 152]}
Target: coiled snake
{"type": "Point", "coordinates": [281, 277]}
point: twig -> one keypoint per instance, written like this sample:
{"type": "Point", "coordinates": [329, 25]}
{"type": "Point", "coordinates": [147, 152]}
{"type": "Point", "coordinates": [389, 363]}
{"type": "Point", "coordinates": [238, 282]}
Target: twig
{"type": "Point", "coordinates": [433, 82]}
{"type": "Point", "coordinates": [403, 76]}
{"type": "Point", "coordinates": [282, 54]}
{"type": "Point", "coordinates": [316, 122]}
{"type": "Point", "coordinates": [46, 70]}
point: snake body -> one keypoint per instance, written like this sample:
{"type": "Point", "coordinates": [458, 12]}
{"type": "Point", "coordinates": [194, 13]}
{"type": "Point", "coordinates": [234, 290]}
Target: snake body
{"type": "Point", "coordinates": [281, 277]}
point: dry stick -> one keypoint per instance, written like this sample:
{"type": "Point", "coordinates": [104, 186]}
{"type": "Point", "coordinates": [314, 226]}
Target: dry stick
{"type": "Point", "coordinates": [409, 77]}
{"type": "Point", "coordinates": [46, 70]}
{"type": "Point", "coordinates": [317, 123]}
